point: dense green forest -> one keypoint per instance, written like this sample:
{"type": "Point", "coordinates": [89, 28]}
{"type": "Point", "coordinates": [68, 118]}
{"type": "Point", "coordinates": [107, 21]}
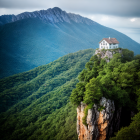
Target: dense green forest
{"type": "Point", "coordinates": [118, 80]}
{"type": "Point", "coordinates": [35, 105]}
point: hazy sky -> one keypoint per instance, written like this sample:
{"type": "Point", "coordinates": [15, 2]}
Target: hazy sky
{"type": "Point", "coordinates": [122, 15]}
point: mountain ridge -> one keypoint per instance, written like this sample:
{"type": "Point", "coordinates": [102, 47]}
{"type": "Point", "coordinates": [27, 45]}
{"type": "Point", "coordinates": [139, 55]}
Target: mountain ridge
{"type": "Point", "coordinates": [51, 15]}
{"type": "Point", "coordinates": [31, 42]}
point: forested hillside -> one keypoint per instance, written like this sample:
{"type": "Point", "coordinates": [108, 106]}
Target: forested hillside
{"type": "Point", "coordinates": [117, 80]}
{"type": "Point", "coordinates": [35, 105]}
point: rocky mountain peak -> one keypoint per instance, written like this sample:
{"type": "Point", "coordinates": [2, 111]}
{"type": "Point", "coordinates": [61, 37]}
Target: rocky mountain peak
{"type": "Point", "coordinates": [51, 15]}
{"type": "Point", "coordinates": [57, 9]}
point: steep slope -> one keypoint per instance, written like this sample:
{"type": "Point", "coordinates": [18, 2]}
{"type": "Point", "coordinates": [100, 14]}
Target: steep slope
{"type": "Point", "coordinates": [35, 104]}
{"type": "Point", "coordinates": [32, 39]}
{"type": "Point", "coordinates": [107, 96]}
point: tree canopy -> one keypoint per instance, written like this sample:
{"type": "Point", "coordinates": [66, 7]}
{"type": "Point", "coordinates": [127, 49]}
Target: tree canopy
{"type": "Point", "coordinates": [117, 80]}
{"type": "Point", "coordinates": [35, 105]}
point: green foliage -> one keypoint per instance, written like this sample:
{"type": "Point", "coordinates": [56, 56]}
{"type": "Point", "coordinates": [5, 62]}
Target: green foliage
{"type": "Point", "coordinates": [93, 92]}
{"type": "Point", "coordinates": [78, 93]}
{"type": "Point", "coordinates": [35, 105]}
{"type": "Point", "coordinates": [127, 55]}
{"type": "Point", "coordinates": [138, 101]}
{"type": "Point", "coordinates": [137, 57]}
{"type": "Point", "coordinates": [132, 132]}
{"type": "Point", "coordinates": [101, 108]}
{"type": "Point", "coordinates": [117, 80]}
{"type": "Point", "coordinates": [60, 124]}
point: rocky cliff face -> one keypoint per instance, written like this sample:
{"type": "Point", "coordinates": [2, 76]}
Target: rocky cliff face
{"type": "Point", "coordinates": [101, 124]}
{"type": "Point", "coordinates": [103, 119]}
{"type": "Point", "coordinates": [107, 54]}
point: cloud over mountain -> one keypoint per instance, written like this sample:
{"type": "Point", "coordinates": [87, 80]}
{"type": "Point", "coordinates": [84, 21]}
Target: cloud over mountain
{"type": "Point", "coordinates": [126, 8]}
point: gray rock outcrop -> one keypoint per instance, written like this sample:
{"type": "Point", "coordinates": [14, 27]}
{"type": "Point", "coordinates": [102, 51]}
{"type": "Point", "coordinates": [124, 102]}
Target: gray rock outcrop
{"type": "Point", "coordinates": [106, 54]}
{"type": "Point", "coordinates": [99, 120]}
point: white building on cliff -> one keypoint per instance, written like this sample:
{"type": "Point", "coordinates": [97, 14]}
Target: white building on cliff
{"type": "Point", "coordinates": [108, 43]}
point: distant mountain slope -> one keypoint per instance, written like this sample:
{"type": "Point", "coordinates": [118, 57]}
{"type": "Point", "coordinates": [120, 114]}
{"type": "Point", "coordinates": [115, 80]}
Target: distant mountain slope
{"type": "Point", "coordinates": [35, 104]}
{"type": "Point", "coordinates": [32, 39]}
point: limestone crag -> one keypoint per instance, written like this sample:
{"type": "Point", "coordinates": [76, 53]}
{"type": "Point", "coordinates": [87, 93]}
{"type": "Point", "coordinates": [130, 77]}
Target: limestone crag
{"type": "Point", "coordinates": [98, 121]}
{"type": "Point", "coordinates": [107, 54]}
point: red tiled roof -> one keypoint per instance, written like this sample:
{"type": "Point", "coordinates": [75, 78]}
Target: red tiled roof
{"type": "Point", "coordinates": [110, 41]}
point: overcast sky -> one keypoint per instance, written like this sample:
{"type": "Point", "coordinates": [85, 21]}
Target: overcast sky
{"type": "Point", "coordinates": [122, 15]}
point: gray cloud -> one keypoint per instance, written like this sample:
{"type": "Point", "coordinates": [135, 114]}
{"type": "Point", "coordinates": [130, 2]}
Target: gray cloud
{"type": "Point", "coordinates": [128, 8]}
